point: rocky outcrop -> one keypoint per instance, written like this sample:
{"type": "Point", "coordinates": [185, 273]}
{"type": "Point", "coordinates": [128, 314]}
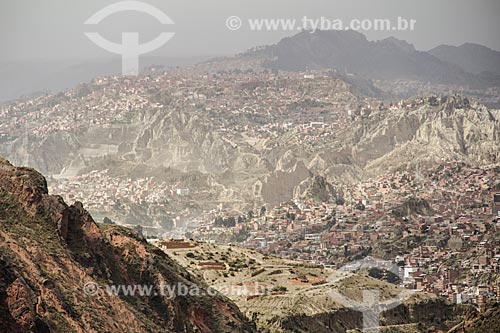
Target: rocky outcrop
{"type": "Point", "coordinates": [50, 251]}
{"type": "Point", "coordinates": [413, 206]}
{"type": "Point", "coordinates": [320, 315]}
{"type": "Point", "coordinates": [317, 188]}
{"type": "Point", "coordinates": [48, 154]}
{"type": "Point", "coordinates": [279, 186]}
{"type": "Point", "coordinates": [335, 307]}
{"type": "Point", "coordinates": [431, 131]}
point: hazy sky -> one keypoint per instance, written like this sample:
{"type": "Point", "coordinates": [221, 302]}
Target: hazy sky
{"type": "Point", "coordinates": [49, 29]}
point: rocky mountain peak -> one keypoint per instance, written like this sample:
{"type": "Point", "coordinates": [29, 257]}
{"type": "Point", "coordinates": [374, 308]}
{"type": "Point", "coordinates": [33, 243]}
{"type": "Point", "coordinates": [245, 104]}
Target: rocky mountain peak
{"type": "Point", "coordinates": [24, 183]}
{"type": "Point", "coordinates": [398, 43]}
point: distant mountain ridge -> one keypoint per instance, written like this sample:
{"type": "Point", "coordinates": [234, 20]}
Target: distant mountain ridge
{"type": "Point", "coordinates": [473, 58]}
{"type": "Point", "coordinates": [386, 59]}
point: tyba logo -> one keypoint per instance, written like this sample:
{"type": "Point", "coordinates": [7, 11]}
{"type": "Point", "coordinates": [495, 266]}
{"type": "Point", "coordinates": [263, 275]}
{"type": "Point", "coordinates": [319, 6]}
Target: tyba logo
{"type": "Point", "coordinates": [129, 49]}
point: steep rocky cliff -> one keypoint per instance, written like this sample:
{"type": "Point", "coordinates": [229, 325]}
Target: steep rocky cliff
{"type": "Point", "coordinates": [427, 131]}
{"type": "Point", "coordinates": [486, 322]}
{"type": "Point", "coordinates": [49, 251]}
{"type": "Point", "coordinates": [319, 310]}
{"type": "Point", "coordinates": [317, 188]}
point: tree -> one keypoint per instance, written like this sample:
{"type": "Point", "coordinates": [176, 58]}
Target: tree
{"type": "Point", "coordinates": [250, 214]}
{"type": "Point", "coordinates": [229, 222]}
{"type": "Point", "coordinates": [360, 206]}
{"type": "Point", "coordinates": [262, 210]}
{"type": "Point", "coordinates": [225, 222]}
{"type": "Point", "coordinates": [279, 289]}
{"type": "Point", "coordinates": [219, 221]}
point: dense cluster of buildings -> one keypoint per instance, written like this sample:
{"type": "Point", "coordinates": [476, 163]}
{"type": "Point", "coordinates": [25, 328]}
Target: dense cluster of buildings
{"type": "Point", "coordinates": [440, 227]}
{"type": "Point", "coordinates": [101, 191]}
{"type": "Point", "coordinates": [111, 101]}
{"type": "Point", "coordinates": [65, 111]}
